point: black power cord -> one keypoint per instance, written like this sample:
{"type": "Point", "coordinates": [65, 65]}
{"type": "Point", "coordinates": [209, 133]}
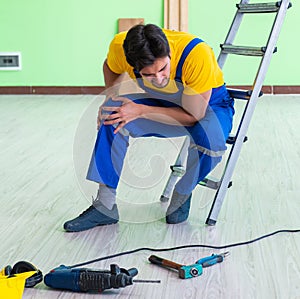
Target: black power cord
{"type": "Point", "coordinates": [187, 246]}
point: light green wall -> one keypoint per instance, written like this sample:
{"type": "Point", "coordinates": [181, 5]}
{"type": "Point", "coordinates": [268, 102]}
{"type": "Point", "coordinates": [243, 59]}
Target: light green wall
{"type": "Point", "coordinates": [211, 21]}
{"type": "Point", "coordinates": [64, 43]}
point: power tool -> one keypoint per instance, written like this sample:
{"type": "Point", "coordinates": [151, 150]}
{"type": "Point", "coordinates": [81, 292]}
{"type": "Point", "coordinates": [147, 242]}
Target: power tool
{"type": "Point", "coordinates": [92, 280]}
{"type": "Point", "coordinates": [189, 271]}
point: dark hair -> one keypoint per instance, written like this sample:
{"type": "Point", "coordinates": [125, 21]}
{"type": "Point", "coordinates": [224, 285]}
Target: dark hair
{"type": "Point", "coordinates": [144, 44]}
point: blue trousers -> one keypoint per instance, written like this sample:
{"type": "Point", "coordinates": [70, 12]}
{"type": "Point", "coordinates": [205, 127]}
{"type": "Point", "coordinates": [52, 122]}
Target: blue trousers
{"type": "Point", "coordinates": [207, 141]}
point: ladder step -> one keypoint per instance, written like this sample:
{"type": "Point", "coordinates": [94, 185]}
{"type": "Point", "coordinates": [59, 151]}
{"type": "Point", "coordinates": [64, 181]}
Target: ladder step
{"type": "Point", "coordinates": [232, 138]}
{"type": "Point", "coordinates": [177, 170]}
{"type": "Point", "coordinates": [260, 7]}
{"type": "Point", "coordinates": [241, 94]}
{"type": "Point", "coordinates": [212, 183]}
{"type": "Point", "coordinates": [243, 50]}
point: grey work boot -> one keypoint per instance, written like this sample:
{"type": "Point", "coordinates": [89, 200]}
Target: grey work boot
{"type": "Point", "coordinates": [179, 208]}
{"type": "Point", "coordinates": [92, 217]}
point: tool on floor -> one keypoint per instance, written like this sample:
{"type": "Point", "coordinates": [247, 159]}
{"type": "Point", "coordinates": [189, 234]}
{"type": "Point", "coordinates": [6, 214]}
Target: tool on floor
{"type": "Point", "coordinates": [183, 271]}
{"type": "Point", "coordinates": [14, 279]}
{"type": "Point", "coordinates": [92, 280]}
{"type": "Point", "coordinates": [189, 271]}
{"type": "Point", "coordinates": [212, 260]}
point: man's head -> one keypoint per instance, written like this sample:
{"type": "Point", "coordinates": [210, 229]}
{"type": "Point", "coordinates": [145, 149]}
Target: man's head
{"type": "Point", "coordinates": [147, 50]}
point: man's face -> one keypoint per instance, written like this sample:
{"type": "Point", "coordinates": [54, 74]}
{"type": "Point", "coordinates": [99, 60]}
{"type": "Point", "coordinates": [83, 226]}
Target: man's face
{"type": "Point", "coordinates": [158, 73]}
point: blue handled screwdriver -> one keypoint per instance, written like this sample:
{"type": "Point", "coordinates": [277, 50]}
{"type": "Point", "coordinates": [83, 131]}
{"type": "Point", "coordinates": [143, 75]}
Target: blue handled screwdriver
{"type": "Point", "coordinates": [212, 260]}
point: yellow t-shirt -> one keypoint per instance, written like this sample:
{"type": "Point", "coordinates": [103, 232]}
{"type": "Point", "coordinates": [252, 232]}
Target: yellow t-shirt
{"type": "Point", "coordinates": [200, 71]}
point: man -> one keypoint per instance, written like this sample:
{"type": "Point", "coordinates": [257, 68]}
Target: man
{"type": "Point", "coordinates": [185, 96]}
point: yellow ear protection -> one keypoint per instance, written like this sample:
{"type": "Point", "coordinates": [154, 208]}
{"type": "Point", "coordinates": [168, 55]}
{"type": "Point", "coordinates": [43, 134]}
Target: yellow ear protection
{"type": "Point", "coordinates": [21, 267]}
{"type": "Point", "coordinates": [7, 270]}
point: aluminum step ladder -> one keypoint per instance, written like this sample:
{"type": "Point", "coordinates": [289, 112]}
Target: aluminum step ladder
{"type": "Point", "coordinates": [279, 8]}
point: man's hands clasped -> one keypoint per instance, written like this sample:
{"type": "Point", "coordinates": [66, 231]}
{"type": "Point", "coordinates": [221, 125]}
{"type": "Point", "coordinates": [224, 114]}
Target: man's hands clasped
{"type": "Point", "coordinates": [120, 115]}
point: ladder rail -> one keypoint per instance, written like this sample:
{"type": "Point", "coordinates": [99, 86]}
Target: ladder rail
{"type": "Point", "coordinates": [271, 44]}
{"type": "Point", "coordinates": [231, 33]}
{"type": "Point", "coordinates": [248, 112]}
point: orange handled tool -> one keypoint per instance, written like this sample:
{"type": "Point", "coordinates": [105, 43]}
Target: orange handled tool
{"type": "Point", "coordinates": [183, 271]}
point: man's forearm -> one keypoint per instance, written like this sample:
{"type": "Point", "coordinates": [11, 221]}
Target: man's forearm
{"type": "Point", "coordinates": [111, 79]}
{"type": "Point", "coordinates": [193, 109]}
{"type": "Point", "coordinates": [168, 115]}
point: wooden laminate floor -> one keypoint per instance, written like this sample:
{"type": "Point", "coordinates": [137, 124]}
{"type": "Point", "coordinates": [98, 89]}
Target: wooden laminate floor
{"type": "Point", "coordinates": [46, 143]}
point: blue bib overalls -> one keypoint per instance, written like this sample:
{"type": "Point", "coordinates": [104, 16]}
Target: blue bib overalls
{"type": "Point", "coordinates": [207, 137]}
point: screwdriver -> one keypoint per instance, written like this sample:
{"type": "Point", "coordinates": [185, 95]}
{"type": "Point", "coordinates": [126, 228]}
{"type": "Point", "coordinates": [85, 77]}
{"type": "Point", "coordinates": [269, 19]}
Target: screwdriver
{"type": "Point", "coordinates": [212, 260]}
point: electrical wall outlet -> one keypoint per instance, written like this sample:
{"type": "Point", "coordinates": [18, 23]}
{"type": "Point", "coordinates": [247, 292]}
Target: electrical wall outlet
{"type": "Point", "coordinates": [10, 61]}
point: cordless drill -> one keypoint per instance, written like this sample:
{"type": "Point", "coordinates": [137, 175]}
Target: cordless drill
{"type": "Point", "coordinates": [91, 280]}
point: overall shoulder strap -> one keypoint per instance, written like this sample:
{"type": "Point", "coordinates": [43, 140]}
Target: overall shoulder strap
{"type": "Point", "coordinates": [184, 54]}
{"type": "Point", "coordinates": [137, 74]}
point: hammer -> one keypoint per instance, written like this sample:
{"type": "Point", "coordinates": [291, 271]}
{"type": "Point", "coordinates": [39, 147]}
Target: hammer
{"type": "Point", "coordinates": [183, 271]}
